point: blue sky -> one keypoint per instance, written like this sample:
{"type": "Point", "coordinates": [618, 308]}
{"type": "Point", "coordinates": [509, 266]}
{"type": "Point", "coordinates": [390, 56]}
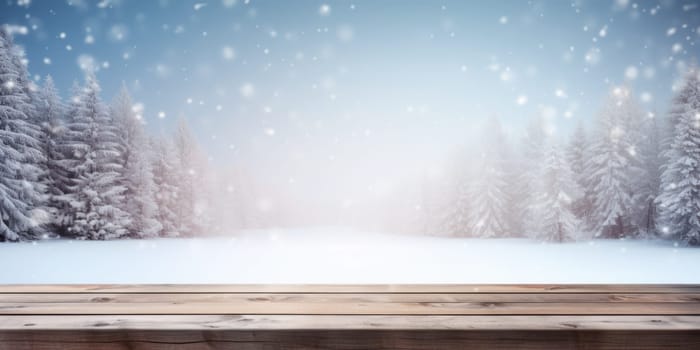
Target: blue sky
{"type": "Point", "coordinates": [314, 90]}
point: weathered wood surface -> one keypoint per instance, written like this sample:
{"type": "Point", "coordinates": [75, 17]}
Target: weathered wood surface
{"type": "Point", "coordinates": [352, 322]}
{"type": "Point", "coordinates": [323, 298]}
{"type": "Point", "coordinates": [349, 317]}
{"type": "Point", "coordinates": [351, 340]}
{"type": "Point", "coordinates": [165, 307]}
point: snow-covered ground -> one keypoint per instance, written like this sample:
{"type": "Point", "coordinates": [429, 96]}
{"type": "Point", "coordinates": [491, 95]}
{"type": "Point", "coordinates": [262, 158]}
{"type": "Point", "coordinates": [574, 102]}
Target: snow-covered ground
{"type": "Point", "coordinates": [346, 256]}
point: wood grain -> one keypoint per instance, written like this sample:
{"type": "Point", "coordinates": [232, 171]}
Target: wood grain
{"type": "Point", "coordinates": [402, 317]}
{"type": "Point", "coordinates": [351, 340]}
{"type": "Point", "coordinates": [325, 298]}
{"type": "Point", "coordinates": [163, 307]}
{"type": "Point", "coordinates": [352, 322]}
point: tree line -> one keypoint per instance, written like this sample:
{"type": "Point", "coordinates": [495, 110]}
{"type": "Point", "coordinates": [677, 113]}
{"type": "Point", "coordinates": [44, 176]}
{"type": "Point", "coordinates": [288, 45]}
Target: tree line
{"type": "Point", "coordinates": [635, 174]}
{"type": "Point", "coordinates": [86, 170]}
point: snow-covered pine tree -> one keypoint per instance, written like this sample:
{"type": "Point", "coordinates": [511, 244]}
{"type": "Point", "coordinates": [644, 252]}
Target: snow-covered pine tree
{"type": "Point", "coordinates": [455, 221]}
{"type": "Point", "coordinates": [488, 192]}
{"type": "Point", "coordinates": [648, 183]}
{"type": "Point", "coordinates": [610, 165]}
{"type": "Point", "coordinates": [64, 171]}
{"type": "Point", "coordinates": [668, 123]}
{"type": "Point", "coordinates": [679, 201]}
{"type": "Point", "coordinates": [577, 155]}
{"type": "Point", "coordinates": [51, 111]}
{"type": "Point", "coordinates": [136, 169]}
{"type": "Point", "coordinates": [93, 196]}
{"type": "Point", "coordinates": [21, 193]}
{"type": "Point", "coordinates": [530, 173]}
{"type": "Point", "coordinates": [632, 119]}
{"type": "Point", "coordinates": [192, 207]}
{"type": "Point", "coordinates": [34, 193]}
{"type": "Point", "coordinates": [554, 194]}
{"type": "Point", "coordinates": [165, 178]}
{"type": "Point", "coordinates": [671, 120]}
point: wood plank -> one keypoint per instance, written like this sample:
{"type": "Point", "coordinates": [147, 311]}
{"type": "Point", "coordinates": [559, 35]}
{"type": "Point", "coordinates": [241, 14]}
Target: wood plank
{"type": "Point", "coordinates": [403, 317]}
{"type": "Point", "coordinates": [352, 298]}
{"type": "Point", "coordinates": [351, 308]}
{"type": "Point", "coordinates": [355, 288]}
{"type": "Point", "coordinates": [350, 340]}
{"type": "Point", "coordinates": [353, 322]}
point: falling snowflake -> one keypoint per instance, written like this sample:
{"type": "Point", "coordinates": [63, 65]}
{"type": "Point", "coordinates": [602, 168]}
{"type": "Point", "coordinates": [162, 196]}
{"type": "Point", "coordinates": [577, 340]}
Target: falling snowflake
{"type": "Point", "coordinates": [603, 31]}
{"type": "Point", "coordinates": [677, 47]}
{"type": "Point", "coordinates": [86, 62]}
{"type": "Point", "coordinates": [118, 32]}
{"type": "Point", "coordinates": [324, 10]}
{"type": "Point", "coordinates": [247, 90]}
{"type": "Point", "coordinates": [631, 72]}
{"type": "Point", "coordinates": [592, 56]}
{"type": "Point", "coordinates": [228, 53]}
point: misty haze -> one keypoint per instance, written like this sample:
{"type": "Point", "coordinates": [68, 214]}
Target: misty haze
{"type": "Point", "coordinates": [349, 141]}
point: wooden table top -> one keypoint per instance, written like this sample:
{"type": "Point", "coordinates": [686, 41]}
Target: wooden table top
{"type": "Point", "coordinates": [350, 307]}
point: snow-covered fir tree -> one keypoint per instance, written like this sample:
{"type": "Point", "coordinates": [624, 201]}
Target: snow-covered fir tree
{"type": "Point", "coordinates": [577, 154]}
{"type": "Point", "coordinates": [456, 221]}
{"type": "Point", "coordinates": [610, 165]}
{"type": "Point", "coordinates": [51, 111]}
{"type": "Point", "coordinates": [137, 173]}
{"type": "Point", "coordinates": [21, 192]}
{"type": "Point", "coordinates": [488, 192]}
{"type": "Point", "coordinates": [63, 171]}
{"type": "Point", "coordinates": [679, 201]}
{"type": "Point", "coordinates": [648, 182]}
{"type": "Point", "coordinates": [633, 121]}
{"type": "Point", "coordinates": [456, 206]}
{"type": "Point", "coordinates": [554, 194]}
{"type": "Point", "coordinates": [93, 196]}
{"type": "Point", "coordinates": [34, 191]}
{"type": "Point", "coordinates": [532, 148]}
{"type": "Point", "coordinates": [192, 206]}
{"type": "Point", "coordinates": [165, 165]}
